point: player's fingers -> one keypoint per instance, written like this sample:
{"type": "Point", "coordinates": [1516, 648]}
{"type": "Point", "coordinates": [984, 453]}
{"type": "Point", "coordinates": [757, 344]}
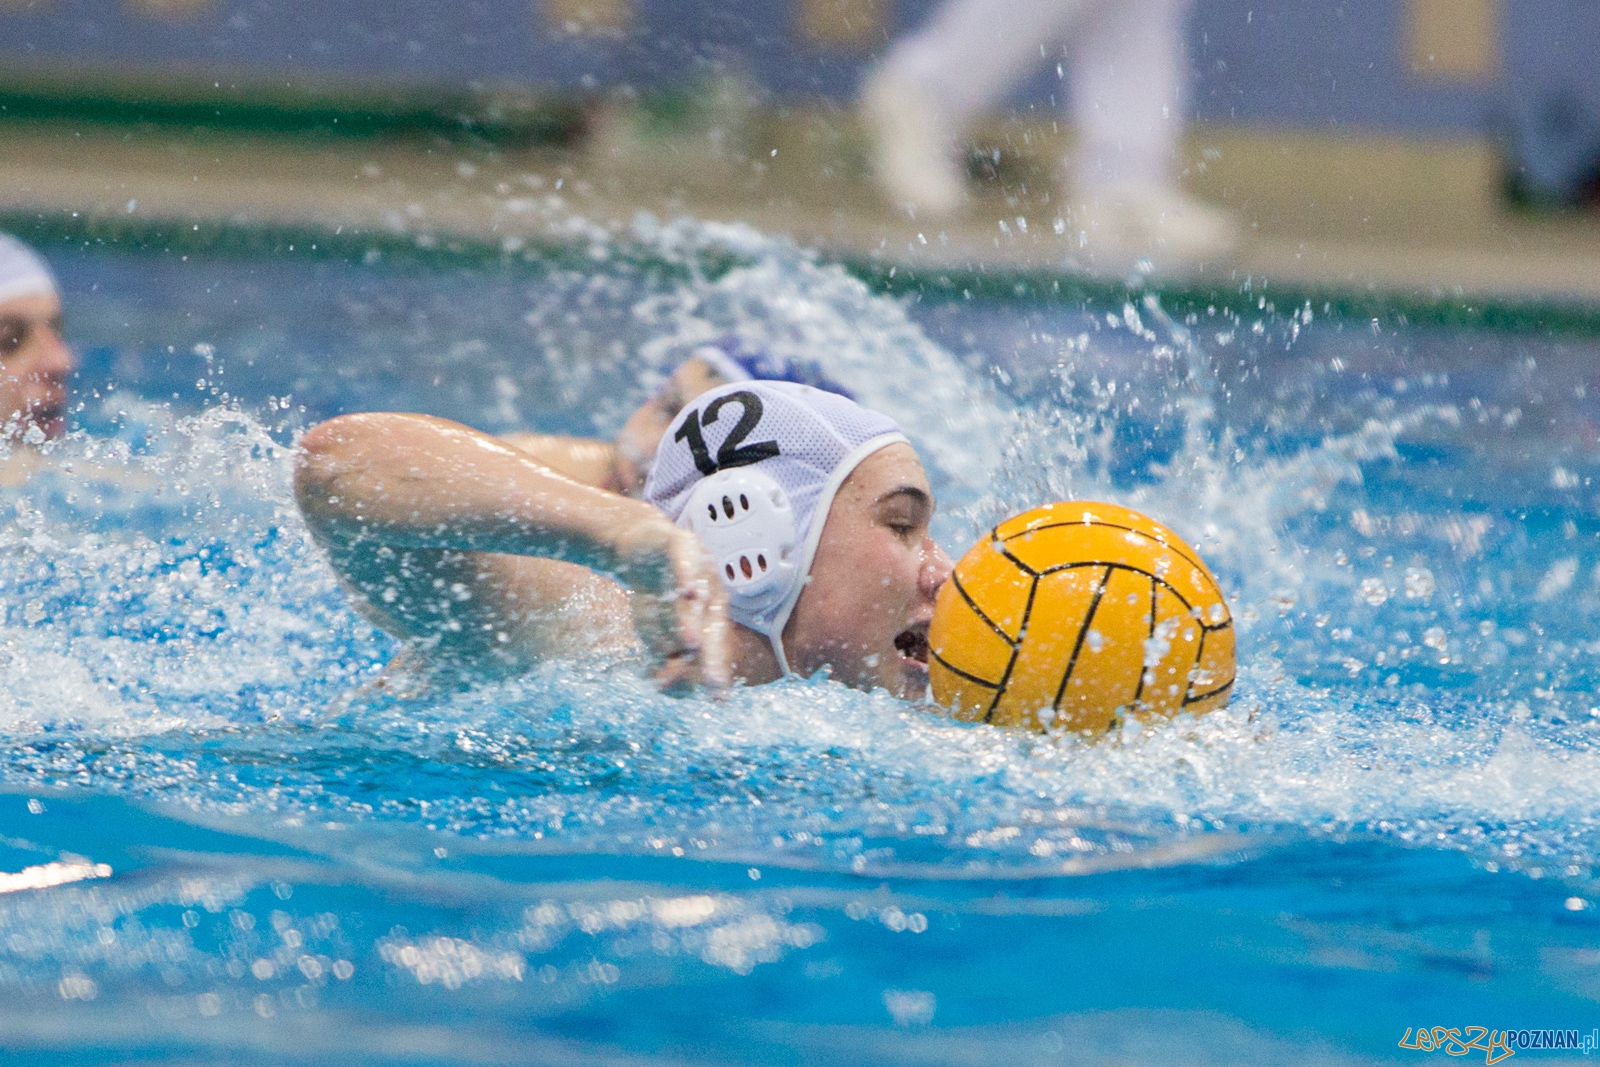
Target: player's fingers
{"type": "Point", "coordinates": [678, 673]}
{"type": "Point", "coordinates": [702, 615]}
{"type": "Point", "coordinates": [714, 637]}
{"type": "Point", "coordinates": [686, 630]}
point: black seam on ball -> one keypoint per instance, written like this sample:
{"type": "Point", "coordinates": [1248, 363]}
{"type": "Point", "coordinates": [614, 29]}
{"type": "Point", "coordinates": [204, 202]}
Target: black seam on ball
{"type": "Point", "coordinates": [1190, 697]}
{"type": "Point", "coordinates": [1223, 688]}
{"type": "Point", "coordinates": [953, 669]}
{"type": "Point", "coordinates": [1016, 651]}
{"type": "Point", "coordinates": [973, 604]}
{"type": "Point", "coordinates": [1116, 526]}
{"type": "Point", "coordinates": [1083, 633]}
{"type": "Point", "coordinates": [1145, 668]}
{"type": "Point", "coordinates": [1199, 655]}
{"type": "Point", "coordinates": [1140, 570]}
{"type": "Point", "coordinates": [1021, 566]}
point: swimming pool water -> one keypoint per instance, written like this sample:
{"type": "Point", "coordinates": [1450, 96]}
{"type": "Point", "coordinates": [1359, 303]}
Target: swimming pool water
{"type": "Point", "coordinates": [1393, 825]}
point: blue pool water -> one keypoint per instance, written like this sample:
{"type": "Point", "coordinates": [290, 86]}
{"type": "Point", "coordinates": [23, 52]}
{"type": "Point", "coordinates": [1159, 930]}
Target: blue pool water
{"type": "Point", "coordinates": [1394, 824]}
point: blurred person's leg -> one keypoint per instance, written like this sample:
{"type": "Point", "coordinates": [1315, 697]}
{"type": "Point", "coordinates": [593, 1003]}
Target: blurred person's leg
{"type": "Point", "coordinates": [1129, 79]}
{"type": "Point", "coordinates": [1127, 87]}
{"type": "Point", "coordinates": [961, 64]}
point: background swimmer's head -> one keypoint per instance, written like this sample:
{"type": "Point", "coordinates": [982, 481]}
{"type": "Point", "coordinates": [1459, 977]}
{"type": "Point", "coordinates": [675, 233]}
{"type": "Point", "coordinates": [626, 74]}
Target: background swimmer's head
{"type": "Point", "coordinates": [810, 444]}
{"type": "Point", "coordinates": [35, 363]}
{"type": "Point", "coordinates": [707, 367]}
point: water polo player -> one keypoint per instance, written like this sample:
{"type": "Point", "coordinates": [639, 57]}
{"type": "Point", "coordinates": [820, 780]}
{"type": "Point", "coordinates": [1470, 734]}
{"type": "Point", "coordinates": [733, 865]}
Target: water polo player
{"type": "Point", "coordinates": [792, 509]}
{"type": "Point", "coordinates": [35, 364]}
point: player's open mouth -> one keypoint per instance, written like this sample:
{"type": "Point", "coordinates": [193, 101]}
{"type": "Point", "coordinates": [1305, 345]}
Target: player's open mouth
{"type": "Point", "coordinates": [913, 643]}
{"type": "Point", "coordinates": [50, 419]}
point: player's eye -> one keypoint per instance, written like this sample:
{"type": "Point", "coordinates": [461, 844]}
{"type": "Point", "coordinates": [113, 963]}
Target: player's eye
{"type": "Point", "coordinates": [13, 334]}
{"type": "Point", "coordinates": [16, 332]}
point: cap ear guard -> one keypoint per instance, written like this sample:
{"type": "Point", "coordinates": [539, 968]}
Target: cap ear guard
{"type": "Point", "coordinates": [743, 518]}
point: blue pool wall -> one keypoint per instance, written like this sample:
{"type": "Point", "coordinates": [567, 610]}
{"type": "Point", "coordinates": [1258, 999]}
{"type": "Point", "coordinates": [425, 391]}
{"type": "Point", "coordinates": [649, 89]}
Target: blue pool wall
{"type": "Point", "coordinates": [1301, 63]}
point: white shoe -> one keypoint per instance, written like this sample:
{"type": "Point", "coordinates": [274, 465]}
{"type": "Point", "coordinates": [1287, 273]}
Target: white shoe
{"type": "Point", "coordinates": [1164, 223]}
{"type": "Point", "coordinates": [914, 157]}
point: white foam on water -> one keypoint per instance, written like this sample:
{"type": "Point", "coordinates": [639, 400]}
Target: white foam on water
{"type": "Point", "coordinates": [811, 774]}
{"type": "Point", "coordinates": [142, 624]}
{"type": "Point", "coordinates": [165, 586]}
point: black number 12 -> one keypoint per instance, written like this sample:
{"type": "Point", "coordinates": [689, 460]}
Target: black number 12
{"type": "Point", "coordinates": [734, 452]}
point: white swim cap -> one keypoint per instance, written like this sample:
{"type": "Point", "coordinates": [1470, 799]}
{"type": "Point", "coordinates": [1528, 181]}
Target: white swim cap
{"type": "Point", "coordinates": [22, 272]}
{"type": "Point", "coordinates": [785, 449]}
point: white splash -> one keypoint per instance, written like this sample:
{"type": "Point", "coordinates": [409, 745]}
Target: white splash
{"type": "Point", "coordinates": [46, 875]}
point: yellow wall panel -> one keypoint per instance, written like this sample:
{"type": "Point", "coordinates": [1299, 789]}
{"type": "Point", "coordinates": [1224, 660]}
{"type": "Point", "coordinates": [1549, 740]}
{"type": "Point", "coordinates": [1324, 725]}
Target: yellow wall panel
{"type": "Point", "coordinates": [587, 16]}
{"type": "Point", "coordinates": [1453, 40]}
{"type": "Point", "coordinates": [169, 9]}
{"type": "Point", "coordinates": [850, 24]}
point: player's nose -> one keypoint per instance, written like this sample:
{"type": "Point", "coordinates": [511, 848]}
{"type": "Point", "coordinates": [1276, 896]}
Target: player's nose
{"type": "Point", "coordinates": [936, 568]}
{"type": "Point", "coordinates": [57, 360]}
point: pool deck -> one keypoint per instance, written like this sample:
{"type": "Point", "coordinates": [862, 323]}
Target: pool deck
{"type": "Point", "coordinates": [1329, 213]}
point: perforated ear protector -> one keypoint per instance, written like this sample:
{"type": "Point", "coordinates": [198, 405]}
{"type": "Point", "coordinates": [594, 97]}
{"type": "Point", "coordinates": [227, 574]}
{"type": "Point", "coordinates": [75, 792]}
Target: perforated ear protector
{"type": "Point", "coordinates": [743, 518]}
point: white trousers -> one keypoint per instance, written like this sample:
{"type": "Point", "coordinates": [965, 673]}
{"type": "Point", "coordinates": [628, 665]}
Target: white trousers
{"type": "Point", "coordinates": [1124, 60]}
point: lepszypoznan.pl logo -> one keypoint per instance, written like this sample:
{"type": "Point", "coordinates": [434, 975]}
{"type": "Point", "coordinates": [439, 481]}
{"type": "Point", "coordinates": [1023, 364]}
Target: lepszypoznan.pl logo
{"type": "Point", "coordinates": [1497, 1045]}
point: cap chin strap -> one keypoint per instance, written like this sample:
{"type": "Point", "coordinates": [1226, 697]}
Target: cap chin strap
{"type": "Point", "coordinates": [819, 519]}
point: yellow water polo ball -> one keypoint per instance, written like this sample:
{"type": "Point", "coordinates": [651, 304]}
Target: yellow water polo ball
{"type": "Point", "coordinates": [1074, 615]}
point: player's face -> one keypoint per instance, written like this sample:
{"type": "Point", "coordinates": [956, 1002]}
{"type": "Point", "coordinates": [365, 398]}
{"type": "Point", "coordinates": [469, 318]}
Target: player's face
{"type": "Point", "coordinates": [866, 609]}
{"type": "Point", "coordinates": [35, 365]}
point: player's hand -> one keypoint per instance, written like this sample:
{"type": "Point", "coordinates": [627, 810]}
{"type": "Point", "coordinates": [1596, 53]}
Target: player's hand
{"type": "Point", "coordinates": [684, 625]}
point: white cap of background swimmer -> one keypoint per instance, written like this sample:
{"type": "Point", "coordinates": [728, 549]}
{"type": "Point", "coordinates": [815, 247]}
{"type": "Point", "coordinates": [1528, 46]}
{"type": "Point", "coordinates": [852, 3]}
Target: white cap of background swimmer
{"type": "Point", "coordinates": [752, 468]}
{"type": "Point", "coordinates": [22, 272]}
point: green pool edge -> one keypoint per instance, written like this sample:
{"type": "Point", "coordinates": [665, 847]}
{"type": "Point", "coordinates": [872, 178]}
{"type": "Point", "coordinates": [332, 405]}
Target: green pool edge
{"type": "Point", "coordinates": [51, 230]}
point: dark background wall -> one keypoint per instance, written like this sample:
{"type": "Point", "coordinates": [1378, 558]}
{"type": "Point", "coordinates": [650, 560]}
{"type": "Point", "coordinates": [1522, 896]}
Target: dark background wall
{"type": "Point", "coordinates": [1306, 63]}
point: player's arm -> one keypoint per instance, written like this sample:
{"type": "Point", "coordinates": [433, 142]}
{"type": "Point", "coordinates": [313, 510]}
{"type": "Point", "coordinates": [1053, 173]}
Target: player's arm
{"type": "Point", "coordinates": [448, 534]}
{"type": "Point", "coordinates": [583, 459]}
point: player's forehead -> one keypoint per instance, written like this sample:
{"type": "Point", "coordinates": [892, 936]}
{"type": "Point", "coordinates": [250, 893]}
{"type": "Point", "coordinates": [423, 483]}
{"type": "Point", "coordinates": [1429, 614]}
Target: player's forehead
{"type": "Point", "coordinates": [891, 476]}
{"type": "Point", "coordinates": [32, 307]}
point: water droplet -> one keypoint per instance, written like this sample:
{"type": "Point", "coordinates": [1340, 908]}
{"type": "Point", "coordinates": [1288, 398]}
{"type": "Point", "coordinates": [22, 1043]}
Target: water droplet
{"type": "Point", "coordinates": [1419, 583]}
